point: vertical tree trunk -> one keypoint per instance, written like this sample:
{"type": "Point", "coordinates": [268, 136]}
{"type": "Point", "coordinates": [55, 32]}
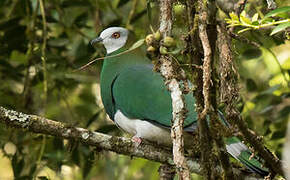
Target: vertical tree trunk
{"type": "Point", "coordinates": [178, 105]}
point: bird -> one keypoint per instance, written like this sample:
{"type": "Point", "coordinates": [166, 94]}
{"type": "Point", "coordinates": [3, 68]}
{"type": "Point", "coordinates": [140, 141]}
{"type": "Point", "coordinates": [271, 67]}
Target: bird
{"type": "Point", "coordinates": [137, 100]}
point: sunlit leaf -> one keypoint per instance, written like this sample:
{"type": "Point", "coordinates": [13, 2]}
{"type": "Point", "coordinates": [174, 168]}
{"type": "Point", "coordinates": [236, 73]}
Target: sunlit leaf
{"type": "Point", "coordinates": [255, 17]}
{"type": "Point", "coordinates": [234, 16]}
{"type": "Point", "coordinates": [278, 11]}
{"type": "Point", "coordinates": [244, 30]}
{"type": "Point", "coordinates": [280, 28]}
{"type": "Point", "coordinates": [278, 80]}
{"type": "Point", "coordinates": [18, 57]}
{"type": "Point", "coordinates": [137, 44]}
{"type": "Point", "coordinates": [286, 64]}
{"type": "Point", "coordinates": [245, 20]}
{"type": "Point", "coordinates": [122, 2]}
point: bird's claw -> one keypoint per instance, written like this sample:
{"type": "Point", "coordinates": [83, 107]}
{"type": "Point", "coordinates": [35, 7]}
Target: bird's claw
{"type": "Point", "coordinates": [137, 140]}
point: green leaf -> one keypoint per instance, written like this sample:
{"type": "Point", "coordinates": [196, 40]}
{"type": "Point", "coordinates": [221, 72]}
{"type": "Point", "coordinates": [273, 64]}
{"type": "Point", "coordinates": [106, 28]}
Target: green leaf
{"type": "Point", "coordinates": [122, 2]}
{"type": "Point", "coordinates": [255, 17]}
{"type": "Point", "coordinates": [234, 16]}
{"type": "Point", "coordinates": [271, 89]}
{"type": "Point", "coordinates": [115, 3]}
{"type": "Point", "coordinates": [149, 10]}
{"type": "Point", "coordinates": [243, 30]}
{"type": "Point", "coordinates": [18, 57]}
{"type": "Point", "coordinates": [244, 20]}
{"type": "Point", "coordinates": [280, 27]}
{"type": "Point", "coordinates": [137, 44]}
{"type": "Point", "coordinates": [175, 51]}
{"type": "Point", "coordinates": [278, 11]}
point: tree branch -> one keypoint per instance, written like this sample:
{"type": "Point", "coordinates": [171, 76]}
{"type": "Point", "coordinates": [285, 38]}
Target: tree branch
{"type": "Point", "coordinates": [178, 105]}
{"type": "Point", "coordinates": [205, 138]}
{"type": "Point", "coordinates": [120, 145]}
{"type": "Point", "coordinates": [229, 96]}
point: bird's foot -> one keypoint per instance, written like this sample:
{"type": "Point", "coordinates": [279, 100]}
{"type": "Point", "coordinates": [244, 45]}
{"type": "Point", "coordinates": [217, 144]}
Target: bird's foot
{"type": "Point", "coordinates": [137, 140]}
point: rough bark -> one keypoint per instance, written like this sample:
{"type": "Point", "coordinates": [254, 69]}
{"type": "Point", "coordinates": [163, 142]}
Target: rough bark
{"type": "Point", "coordinates": [203, 80]}
{"type": "Point", "coordinates": [229, 96]}
{"type": "Point", "coordinates": [120, 145]}
{"type": "Point", "coordinates": [178, 105]}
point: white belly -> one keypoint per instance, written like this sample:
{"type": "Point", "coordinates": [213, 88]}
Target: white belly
{"type": "Point", "coordinates": [143, 129]}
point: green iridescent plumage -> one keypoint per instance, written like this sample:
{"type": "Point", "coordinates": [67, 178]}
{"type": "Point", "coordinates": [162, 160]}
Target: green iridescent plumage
{"type": "Point", "coordinates": [137, 91]}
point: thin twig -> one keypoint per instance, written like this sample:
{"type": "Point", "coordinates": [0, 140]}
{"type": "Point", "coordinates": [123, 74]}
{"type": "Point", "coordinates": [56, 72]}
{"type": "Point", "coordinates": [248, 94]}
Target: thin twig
{"type": "Point", "coordinates": [230, 96]}
{"type": "Point", "coordinates": [257, 45]}
{"type": "Point", "coordinates": [43, 58]}
{"type": "Point", "coordinates": [131, 14]}
{"type": "Point", "coordinates": [283, 71]}
{"type": "Point", "coordinates": [240, 6]}
{"type": "Point", "coordinates": [195, 57]}
{"type": "Point", "coordinates": [204, 130]}
{"type": "Point", "coordinates": [244, 40]}
{"type": "Point", "coordinates": [101, 58]}
{"type": "Point", "coordinates": [225, 55]}
{"type": "Point", "coordinates": [43, 49]}
{"type": "Point", "coordinates": [27, 81]}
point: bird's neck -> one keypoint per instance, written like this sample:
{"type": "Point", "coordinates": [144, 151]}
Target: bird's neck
{"type": "Point", "coordinates": [114, 65]}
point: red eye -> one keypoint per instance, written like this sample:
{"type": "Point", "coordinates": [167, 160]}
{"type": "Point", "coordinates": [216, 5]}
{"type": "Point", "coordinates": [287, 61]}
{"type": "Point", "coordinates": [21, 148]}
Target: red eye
{"type": "Point", "coordinates": [116, 35]}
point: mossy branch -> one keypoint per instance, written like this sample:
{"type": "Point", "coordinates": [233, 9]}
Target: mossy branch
{"type": "Point", "coordinates": [172, 76]}
{"type": "Point", "coordinates": [119, 145]}
{"type": "Point", "coordinates": [229, 96]}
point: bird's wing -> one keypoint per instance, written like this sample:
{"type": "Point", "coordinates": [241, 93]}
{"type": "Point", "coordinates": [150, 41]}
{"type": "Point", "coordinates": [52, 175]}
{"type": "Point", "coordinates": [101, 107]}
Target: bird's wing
{"type": "Point", "coordinates": [140, 93]}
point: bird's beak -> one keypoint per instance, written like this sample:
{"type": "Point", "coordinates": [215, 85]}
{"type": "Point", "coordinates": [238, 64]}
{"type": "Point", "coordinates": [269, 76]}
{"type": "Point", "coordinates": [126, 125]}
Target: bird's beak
{"type": "Point", "coordinates": [97, 40]}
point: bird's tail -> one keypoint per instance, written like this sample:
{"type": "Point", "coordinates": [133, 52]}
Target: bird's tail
{"type": "Point", "coordinates": [241, 152]}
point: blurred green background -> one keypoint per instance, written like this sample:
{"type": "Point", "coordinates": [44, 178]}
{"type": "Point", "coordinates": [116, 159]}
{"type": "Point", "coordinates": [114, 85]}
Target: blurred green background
{"type": "Point", "coordinates": [73, 97]}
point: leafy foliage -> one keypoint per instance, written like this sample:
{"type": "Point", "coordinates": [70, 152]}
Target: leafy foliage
{"type": "Point", "coordinates": [266, 21]}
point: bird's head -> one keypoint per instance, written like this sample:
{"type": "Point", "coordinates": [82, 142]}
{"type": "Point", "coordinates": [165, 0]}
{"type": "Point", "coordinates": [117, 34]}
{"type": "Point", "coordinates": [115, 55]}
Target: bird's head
{"type": "Point", "coordinates": [113, 38]}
